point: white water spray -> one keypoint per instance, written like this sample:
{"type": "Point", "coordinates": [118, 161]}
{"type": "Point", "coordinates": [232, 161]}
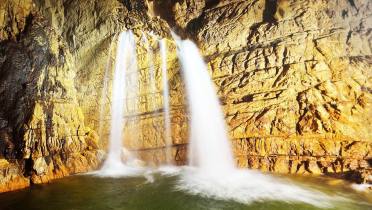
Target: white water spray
{"type": "Point", "coordinates": [166, 112]}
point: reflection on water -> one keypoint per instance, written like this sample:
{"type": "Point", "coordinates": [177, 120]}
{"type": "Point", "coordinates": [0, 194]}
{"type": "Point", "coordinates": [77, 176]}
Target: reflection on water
{"type": "Point", "coordinates": [86, 192]}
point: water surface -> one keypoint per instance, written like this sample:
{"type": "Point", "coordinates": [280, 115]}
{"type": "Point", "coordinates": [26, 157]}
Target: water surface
{"type": "Point", "coordinates": [85, 192]}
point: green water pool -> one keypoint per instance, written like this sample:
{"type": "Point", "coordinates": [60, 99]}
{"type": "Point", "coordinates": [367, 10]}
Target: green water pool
{"type": "Point", "coordinates": [88, 192]}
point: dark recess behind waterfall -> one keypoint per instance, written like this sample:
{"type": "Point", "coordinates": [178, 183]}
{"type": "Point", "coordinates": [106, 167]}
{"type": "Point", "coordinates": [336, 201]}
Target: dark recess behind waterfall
{"type": "Point", "coordinates": [164, 9]}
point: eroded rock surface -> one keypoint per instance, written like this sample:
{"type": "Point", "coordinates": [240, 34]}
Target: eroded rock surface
{"type": "Point", "coordinates": [294, 79]}
{"type": "Point", "coordinates": [54, 55]}
{"type": "Point", "coordinates": [43, 131]}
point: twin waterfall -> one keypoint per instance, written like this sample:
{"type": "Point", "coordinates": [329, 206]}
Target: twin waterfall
{"type": "Point", "coordinates": [208, 132]}
{"type": "Point", "coordinates": [119, 160]}
{"type": "Point", "coordinates": [211, 170]}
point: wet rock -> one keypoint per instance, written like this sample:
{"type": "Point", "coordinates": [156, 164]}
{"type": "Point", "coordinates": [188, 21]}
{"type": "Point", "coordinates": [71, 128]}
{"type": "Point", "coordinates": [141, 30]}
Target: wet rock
{"type": "Point", "coordinates": [292, 77]}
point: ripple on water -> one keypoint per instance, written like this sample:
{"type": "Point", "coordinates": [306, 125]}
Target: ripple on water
{"type": "Point", "coordinates": [183, 189]}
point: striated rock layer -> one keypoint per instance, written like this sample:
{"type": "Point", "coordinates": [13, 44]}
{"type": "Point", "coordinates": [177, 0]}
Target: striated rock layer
{"type": "Point", "coordinates": [53, 58]}
{"type": "Point", "coordinates": [43, 135]}
{"type": "Point", "coordinates": [294, 79]}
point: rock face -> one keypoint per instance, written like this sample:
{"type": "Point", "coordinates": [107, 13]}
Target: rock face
{"type": "Point", "coordinates": [43, 135]}
{"type": "Point", "coordinates": [53, 57]}
{"type": "Point", "coordinates": [294, 79]}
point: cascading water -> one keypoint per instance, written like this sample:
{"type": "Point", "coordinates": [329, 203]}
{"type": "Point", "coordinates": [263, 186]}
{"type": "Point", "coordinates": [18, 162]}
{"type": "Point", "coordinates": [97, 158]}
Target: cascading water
{"type": "Point", "coordinates": [210, 149]}
{"type": "Point", "coordinates": [150, 60]}
{"type": "Point", "coordinates": [212, 172]}
{"type": "Point", "coordinates": [132, 101]}
{"type": "Point", "coordinates": [124, 101]}
{"type": "Point", "coordinates": [104, 92]}
{"type": "Point", "coordinates": [125, 60]}
{"type": "Point", "coordinates": [167, 123]}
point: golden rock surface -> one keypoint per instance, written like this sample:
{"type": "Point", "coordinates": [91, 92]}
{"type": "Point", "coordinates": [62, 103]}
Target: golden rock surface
{"type": "Point", "coordinates": [294, 79]}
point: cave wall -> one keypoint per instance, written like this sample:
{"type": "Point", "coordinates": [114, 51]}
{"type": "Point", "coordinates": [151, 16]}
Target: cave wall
{"type": "Point", "coordinates": [43, 135]}
{"type": "Point", "coordinates": [294, 79]}
{"type": "Point", "coordinates": [54, 55]}
{"type": "Point", "coordinates": [43, 131]}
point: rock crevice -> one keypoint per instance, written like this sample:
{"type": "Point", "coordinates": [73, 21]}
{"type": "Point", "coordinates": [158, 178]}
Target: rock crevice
{"type": "Point", "coordinates": [294, 79]}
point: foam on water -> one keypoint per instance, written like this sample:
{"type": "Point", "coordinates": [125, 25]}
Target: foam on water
{"type": "Point", "coordinates": [169, 170]}
{"type": "Point", "coordinates": [119, 171]}
{"type": "Point", "coordinates": [361, 187]}
{"type": "Point", "coordinates": [246, 186]}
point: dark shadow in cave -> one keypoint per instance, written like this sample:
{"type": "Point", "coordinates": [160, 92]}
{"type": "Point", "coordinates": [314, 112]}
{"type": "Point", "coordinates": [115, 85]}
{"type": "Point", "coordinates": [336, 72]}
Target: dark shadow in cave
{"type": "Point", "coordinates": [269, 11]}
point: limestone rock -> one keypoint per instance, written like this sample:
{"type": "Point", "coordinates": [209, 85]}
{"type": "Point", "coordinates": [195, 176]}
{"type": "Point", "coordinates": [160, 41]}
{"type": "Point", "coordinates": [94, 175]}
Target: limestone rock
{"type": "Point", "coordinates": [11, 177]}
{"type": "Point", "coordinates": [39, 105]}
{"type": "Point", "coordinates": [293, 78]}
{"type": "Point", "coordinates": [14, 15]}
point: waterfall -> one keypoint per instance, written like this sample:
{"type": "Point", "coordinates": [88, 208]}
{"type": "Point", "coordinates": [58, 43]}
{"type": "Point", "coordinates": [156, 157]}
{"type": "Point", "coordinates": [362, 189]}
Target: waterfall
{"type": "Point", "coordinates": [125, 89]}
{"type": "Point", "coordinates": [152, 79]}
{"type": "Point", "coordinates": [104, 91]}
{"type": "Point", "coordinates": [213, 172]}
{"type": "Point", "coordinates": [167, 122]}
{"type": "Point", "coordinates": [125, 61]}
{"type": "Point", "coordinates": [209, 147]}
{"type": "Point", "coordinates": [133, 99]}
